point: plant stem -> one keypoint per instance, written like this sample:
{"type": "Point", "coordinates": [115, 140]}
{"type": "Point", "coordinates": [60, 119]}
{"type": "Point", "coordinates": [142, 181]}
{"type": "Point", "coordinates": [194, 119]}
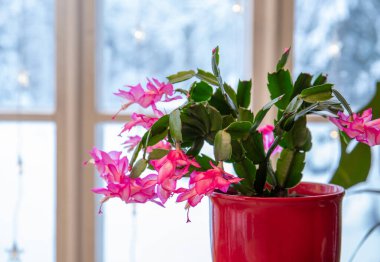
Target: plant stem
{"type": "Point", "coordinates": [267, 159]}
{"type": "Point", "coordinates": [273, 146]}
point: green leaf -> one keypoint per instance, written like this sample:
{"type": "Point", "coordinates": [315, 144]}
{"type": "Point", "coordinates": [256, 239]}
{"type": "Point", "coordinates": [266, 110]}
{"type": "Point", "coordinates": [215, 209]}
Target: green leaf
{"type": "Point", "coordinates": [138, 168]}
{"type": "Point", "coordinates": [231, 94]}
{"type": "Point", "coordinates": [215, 54]}
{"type": "Point", "coordinates": [239, 129]}
{"type": "Point", "coordinates": [215, 118]}
{"type": "Point", "coordinates": [175, 125]}
{"type": "Point", "coordinates": [204, 161]}
{"type": "Point", "coordinates": [299, 137]}
{"type": "Point", "coordinates": [227, 120]}
{"type": "Point", "coordinates": [157, 132]}
{"type": "Point", "coordinates": [280, 83]}
{"type": "Point", "coordinates": [317, 93]}
{"type": "Point", "coordinates": [195, 122]}
{"type": "Point", "coordinates": [281, 63]}
{"type": "Point", "coordinates": [199, 111]}
{"type": "Point", "coordinates": [320, 80]}
{"type": "Point", "coordinates": [247, 170]}
{"type": "Point", "coordinates": [136, 153]}
{"type": "Point", "coordinates": [254, 147]}
{"type": "Point", "coordinates": [353, 167]}
{"type": "Point", "coordinates": [157, 154]}
{"type": "Point", "coordinates": [289, 168]}
{"type": "Point", "coordinates": [207, 77]}
{"type": "Point", "coordinates": [192, 125]}
{"type": "Point", "coordinates": [219, 102]}
{"type": "Point", "coordinates": [226, 90]}
{"type": "Point", "coordinates": [196, 147]}
{"type": "Point", "coordinates": [181, 76]}
{"type": "Point", "coordinates": [222, 146]}
{"type": "Point", "coordinates": [243, 96]}
{"type": "Point", "coordinates": [306, 110]}
{"type": "Point", "coordinates": [262, 113]}
{"type": "Point", "coordinates": [293, 106]}
{"type": "Point", "coordinates": [237, 151]}
{"type": "Point", "coordinates": [303, 81]}
{"type": "Point", "coordinates": [330, 106]}
{"type": "Point", "coordinates": [245, 115]}
{"type": "Point", "coordinates": [215, 62]}
{"type": "Point", "coordinates": [343, 101]}
{"type": "Point", "coordinates": [201, 91]}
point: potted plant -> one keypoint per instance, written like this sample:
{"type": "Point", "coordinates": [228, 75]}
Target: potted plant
{"type": "Point", "coordinates": [264, 212]}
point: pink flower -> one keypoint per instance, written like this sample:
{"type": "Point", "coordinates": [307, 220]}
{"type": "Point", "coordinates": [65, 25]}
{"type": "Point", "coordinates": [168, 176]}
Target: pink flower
{"type": "Point", "coordinates": [268, 138]}
{"type": "Point", "coordinates": [114, 170]}
{"type": "Point", "coordinates": [132, 142]}
{"type": "Point", "coordinates": [163, 144]}
{"type": "Point", "coordinates": [156, 91]}
{"type": "Point", "coordinates": [139, 120]}
{"type": "Point", "coordinates": [359, 127]}
{"type": "Point", "coordinates": [170, 168]}
{"type": "Point", "coordinates": [103, 160]}
{"type": "Point", "coordinates": [204, 183]}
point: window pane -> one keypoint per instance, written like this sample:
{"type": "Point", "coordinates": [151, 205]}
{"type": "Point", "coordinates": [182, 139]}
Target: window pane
{"type": "Point", "coordinates": [148, 38]}
{"type": "Point", "coordinates": [144, 232]}
{"type": "Point", "coordinates": [323, 158]}
{"type": "Point", "coordinates": [341, 38]}
{"type": "Point", "coordinates": [27, 55]}
{"type": "Point", "coordinates": [28, 200]}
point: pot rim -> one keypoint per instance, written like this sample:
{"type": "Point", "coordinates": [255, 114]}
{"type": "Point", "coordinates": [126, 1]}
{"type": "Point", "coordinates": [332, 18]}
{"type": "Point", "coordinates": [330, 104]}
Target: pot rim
{"type": "Point", "coordinates": [336, 191]}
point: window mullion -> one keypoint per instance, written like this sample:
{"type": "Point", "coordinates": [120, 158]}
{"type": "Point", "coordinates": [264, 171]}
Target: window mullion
{"type": "Point", "coordinates": [68, 73]}
{"type": "Point", "coordinates": [89, 120]}
{"type": "Point", "coordinates": [272, 32]}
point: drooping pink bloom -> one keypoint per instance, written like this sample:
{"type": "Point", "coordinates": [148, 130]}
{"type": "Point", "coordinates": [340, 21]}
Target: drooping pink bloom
{"type": "Point", "coordinates": [204, 183]}
{"type": "Point", "coordinates": [170, 168]}
{"type": "Point", "coordinates": [352, 125]}
{"type": "Point", "coordinates": [103, 160]}
{"type": "Point", "coordinates": [155, 92]}
{"type": "Point", "coordinates": [163, 144]}
{"type": "Point", "coordinates": [361, 127]}
{"type": "Point", "coordinates": [139, 120]}
{"type": "Point", "coordinates": [114, 170]}
{"type": "Point", "coordinates": [268, 138]}
{"type": "Point", "coordinates": [132, 142]}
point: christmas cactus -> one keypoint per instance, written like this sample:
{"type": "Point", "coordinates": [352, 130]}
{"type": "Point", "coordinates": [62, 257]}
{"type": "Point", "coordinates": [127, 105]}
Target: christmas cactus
{"type": "Point", "coordinates": [217, 114]}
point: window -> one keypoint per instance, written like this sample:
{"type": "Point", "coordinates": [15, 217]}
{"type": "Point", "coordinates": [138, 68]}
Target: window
{"type": "Point", "coordinates": [60, 62]}
{"type": "Point", "coordinates": [158, 39]}
{"type": "Point", "coordinates": [341, 39]}
{"type": "Point", "coordinates": [28, 131]}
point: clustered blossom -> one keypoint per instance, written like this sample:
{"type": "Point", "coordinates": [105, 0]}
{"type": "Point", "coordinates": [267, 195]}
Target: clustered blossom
{"type": "Point", "coordinates": [170, 168]}
{"type": "Point", "coordinates": [268, 138]}
{"type": "Point", "coordinates": [204, 183]}
{"type": "Point", "coordinates": [114, 170]}
{"type": "Point", "coordinates": [361, 127]}
{"type": "Point", "coordinates": [155, 92]}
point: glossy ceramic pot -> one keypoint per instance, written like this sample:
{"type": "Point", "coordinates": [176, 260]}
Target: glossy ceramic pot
{"type": "Point", "coordinates": [290, 229]}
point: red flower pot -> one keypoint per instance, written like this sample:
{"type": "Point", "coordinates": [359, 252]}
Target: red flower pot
{"type": "Point", "coordinates": [289, 229]}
